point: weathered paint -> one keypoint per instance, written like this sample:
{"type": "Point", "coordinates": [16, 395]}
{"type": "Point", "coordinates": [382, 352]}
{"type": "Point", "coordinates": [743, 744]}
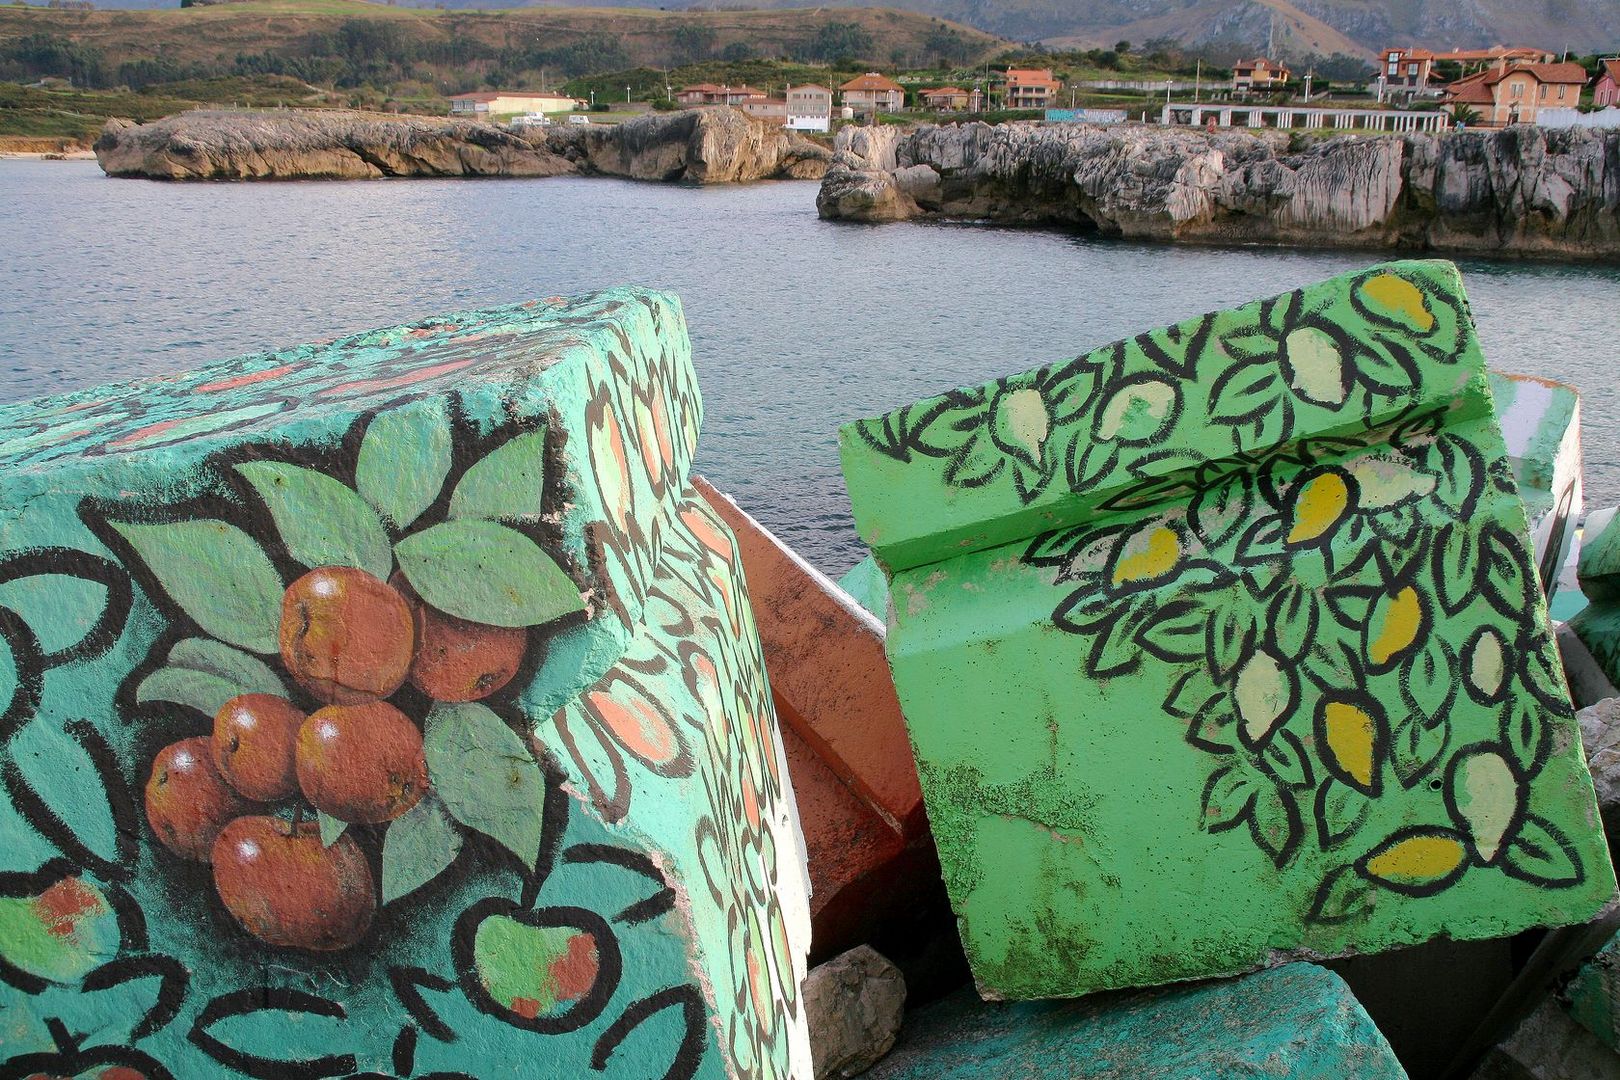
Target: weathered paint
{"type": "Point", "coordinates": [1218, 717]}
{"type": "Point", "coordinates": [860, 805]}
{"type": "Point", "coordinates": [1541, 427]}
{"type": "Point", "coordinates": [1298, 1021]}
{"type": "Point", "coordinates": [547, 823]}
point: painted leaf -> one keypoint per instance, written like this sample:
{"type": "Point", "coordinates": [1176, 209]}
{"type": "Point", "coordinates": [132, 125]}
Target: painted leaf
{"type": "Point", "coordinates": [1429, 679]}
{"type": "Point", "coordinates": [486, 776]}
{"type": "Point", "coordinates": [1019, 425]}
{"type": "Point", "coordinates": [403, 460]}
{"type": "Point", "coordinates": [217, 574]}
{"type": "Point", "coordinates": [1265, 694]}
{"type": "Point", "coordinates": [1417, 744]}
{"type": "Point", "coordinates": [1340, 811]}
{"type": "Point", "coordinates": [506, 483]}
{"type": "Point", "coordinates": [1292, 617]}
{"type": "Point", "coordinates": [1457, 567]}
{"type": "Point", "coordinates": [246, 1032]}
{"type": "Point", "coordinates": [1175, 632]}
{"type": "Point", "coordinates": [67, 611]}
{"type": "Point", "coordinates": [1418, 861]}
{"type": "Point", "coordinates": [486, 573]}
{"type": "Point", "coordinates": [1275, 823]}
{"type": "Point", "coordinates": [417, 848]}
{"type": "Point", "coordinates": [1541, 854]}
{"type": "Point", "coordinates": [1285, 758]}
{"type": "Point", "coordinates": [204, 674]}
{"type": "Point", "coordinates": [1343, 895]}
{"type": "Point", "coordinates": [1228, 794]}
{"type": "Point", "coordinates": [331, 827]}
{"type": "Point", "coordinates": [321, 521]}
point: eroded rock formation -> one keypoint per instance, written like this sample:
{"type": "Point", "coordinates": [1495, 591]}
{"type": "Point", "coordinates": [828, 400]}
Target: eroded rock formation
{"type": "Point", "coordinates": [1522, 190]}
{"type": "Point", "coordinates": [705, 146]}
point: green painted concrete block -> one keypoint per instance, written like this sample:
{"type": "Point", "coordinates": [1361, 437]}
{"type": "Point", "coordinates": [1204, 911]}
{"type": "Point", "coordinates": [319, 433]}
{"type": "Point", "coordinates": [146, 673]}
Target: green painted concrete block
{"type": "Point", "coordinates": [1224, 645]}
{"type": "Point", "coordinates": [391, 706]}
{"type": "Point", "coordinates": [1298, 1021]}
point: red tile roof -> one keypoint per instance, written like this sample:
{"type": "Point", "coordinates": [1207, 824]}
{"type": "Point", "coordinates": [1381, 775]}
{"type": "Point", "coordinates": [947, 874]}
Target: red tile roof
{"type": "Point", "coordinates": [872, 81]}
{"type": "Point", "coordinates": [1611, 68]}
{"type": "Point", "coordinates": [1031, 76]}
{"type": "Point", "coordinates": [943, 90]}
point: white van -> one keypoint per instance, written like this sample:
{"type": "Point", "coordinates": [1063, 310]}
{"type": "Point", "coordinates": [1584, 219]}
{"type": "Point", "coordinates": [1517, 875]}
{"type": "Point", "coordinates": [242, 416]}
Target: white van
{"type": "Point", "coordinates": [579, 120]}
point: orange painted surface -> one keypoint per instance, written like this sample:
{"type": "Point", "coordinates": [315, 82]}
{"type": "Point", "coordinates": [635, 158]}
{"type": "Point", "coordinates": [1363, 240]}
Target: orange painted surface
{"type": "Point", "coordinates": [824, 654]}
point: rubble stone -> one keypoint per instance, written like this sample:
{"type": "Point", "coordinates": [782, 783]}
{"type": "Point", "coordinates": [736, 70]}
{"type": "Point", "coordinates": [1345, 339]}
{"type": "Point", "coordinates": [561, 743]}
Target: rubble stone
{"type": "Point", "coordinates": [853, 1005]}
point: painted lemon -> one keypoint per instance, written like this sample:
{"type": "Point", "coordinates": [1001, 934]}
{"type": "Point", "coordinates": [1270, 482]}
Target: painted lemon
{"type": "Point", "coordinates": [1347, 736]}
{"type": "Point", "coordinates": [1486, 795]}
{"type": "Point", "coordinates": [1139, 412]}
{"type": "Point", "coordinates": [1397, 300]}
{"type": "Point", "coordinates": [1417, 861]}
{"type": "Point", "coordinates": [1147, 556]}
{"type": "Point", "coordinates": [1394, 626]}
{"type": "Point", "coordinates": [1021, 417]}
{"type": "Point", "coordinates": [1264, 695]}
{"type": "Point", "coordinates": [1320, 503]}
{"type": "Point", "coordinates": [1486, 663]}
{"type": "Point", "coordinates": [1313, 365]}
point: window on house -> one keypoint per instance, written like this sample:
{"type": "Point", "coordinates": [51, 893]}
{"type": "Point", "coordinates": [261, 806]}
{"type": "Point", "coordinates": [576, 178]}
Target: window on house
{"type": "Point", "coordinates": [1518, 89]}
{"type": "Point", "coordinates": [1543, 94]}
{"type": "Point", "coordinates": [1561, 90]}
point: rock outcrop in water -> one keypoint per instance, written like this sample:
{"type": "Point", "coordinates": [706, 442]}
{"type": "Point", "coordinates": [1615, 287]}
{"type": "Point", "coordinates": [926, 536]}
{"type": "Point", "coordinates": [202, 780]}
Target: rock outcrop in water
{"type": "Point", "coordinates": [705, 146]}
{"type": "Point", "coordinates": [317, 145]}
{"type": "Point", "coordinates": [702, 146]}
{"type": "Point", "coordinates": [1522, 190]}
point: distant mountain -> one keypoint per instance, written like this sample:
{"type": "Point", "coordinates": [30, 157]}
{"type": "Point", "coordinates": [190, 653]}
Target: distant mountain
{"type": "Point", "coordinates": [1359, 27]}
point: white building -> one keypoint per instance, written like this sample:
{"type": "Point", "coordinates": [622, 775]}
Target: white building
{"type": "Point", "coordinates": [809, 108]}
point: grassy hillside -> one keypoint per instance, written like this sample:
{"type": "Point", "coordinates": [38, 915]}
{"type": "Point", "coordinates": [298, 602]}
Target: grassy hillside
{"type": "Point", "coordinates": [350, 43]}
{"type": "Point", "coordinates": [1242, 27]}
{"type": "Point", "coordinates": [1582, 26]}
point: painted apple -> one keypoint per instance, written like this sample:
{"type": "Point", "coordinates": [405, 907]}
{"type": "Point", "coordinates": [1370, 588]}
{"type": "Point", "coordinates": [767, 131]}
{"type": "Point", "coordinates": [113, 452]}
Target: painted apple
{"type": "Point", "coordinates": [255, 736]}
{"type": "Point", "coordinates": [187, 801]}
{"type": "Point", "coordinates": [549, 970]}
{"type": "Point", "coordinates": [457, 660]}
{"type": "Point", "coordinates": [361, 763]}
{"type": "Point", "coordinates": [347, 637]}
{"type": "Point", "coordinates": [287, 888]}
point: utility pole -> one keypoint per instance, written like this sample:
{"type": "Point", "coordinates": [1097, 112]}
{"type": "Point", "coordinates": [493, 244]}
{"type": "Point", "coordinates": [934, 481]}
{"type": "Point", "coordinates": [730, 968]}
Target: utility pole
{"type": "Point", "coordinates": [1309, 75]}
{"type": "Point", "coordinates": [1198, 78]}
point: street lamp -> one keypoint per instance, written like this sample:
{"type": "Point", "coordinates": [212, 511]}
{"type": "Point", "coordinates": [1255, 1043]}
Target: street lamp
{"type": "Point", "coordinates": [627, 95]}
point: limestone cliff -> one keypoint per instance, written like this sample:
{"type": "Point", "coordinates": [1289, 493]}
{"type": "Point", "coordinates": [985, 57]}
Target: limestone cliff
{"type": "Point", "coordinates": [317, 144]}
{"type": "Point", "coordinates": [703, 146]}
{"type": "Point", "coordinates": [1523, 190]}
{"type": "Point", "coordinates": [696, 146]}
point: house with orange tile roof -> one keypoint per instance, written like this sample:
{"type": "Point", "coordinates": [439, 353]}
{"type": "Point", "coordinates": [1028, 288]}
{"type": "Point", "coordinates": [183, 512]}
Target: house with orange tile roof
{"type": "Point", "coordinates": [710, 94]}
{"type": "Point", "coordinates": [1030, 88]}
{"type": "Point", "coordinates": [1516, 93]}
{"type": "Point", "coordinates": [871, 91]}
{"type": "Point", "coordinates": [1607, 90]}
{"type": "Point", "coordinates": [1260, 74]}
{"type": "Point", "coordinates": [1412, 72]}
{"type": "Point", "coordinates": [949, 97]}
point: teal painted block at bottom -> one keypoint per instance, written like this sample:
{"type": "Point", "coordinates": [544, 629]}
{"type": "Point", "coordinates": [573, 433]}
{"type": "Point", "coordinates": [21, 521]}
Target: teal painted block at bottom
{"type": "Point", "coordinates": [1594, 995]}
{"type": "Point", "coordinates": [1294, 1021]}
{"type": "Point", "coordinates": [870, 589]}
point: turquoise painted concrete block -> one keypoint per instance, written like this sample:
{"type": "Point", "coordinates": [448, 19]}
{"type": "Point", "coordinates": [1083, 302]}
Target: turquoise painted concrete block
{"type": "Point", "coordinates": [1224, 645]}
{"type": "Point", "coordinates": [391, 706]}
{"type": "Point", "coordinates": [866, 583]}
{"type": "Point", "coordinates": [1594, 995]}
{"type": "Point", "coordinates": [1298, 1022]}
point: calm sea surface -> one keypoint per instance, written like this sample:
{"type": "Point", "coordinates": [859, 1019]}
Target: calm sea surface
{"type": "Point", "coordinates": [798, 325]}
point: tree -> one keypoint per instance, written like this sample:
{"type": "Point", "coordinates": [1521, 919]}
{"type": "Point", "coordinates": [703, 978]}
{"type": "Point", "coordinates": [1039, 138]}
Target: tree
{"type": "Point", "coordinates": [840, 41]}
{"type": "Point", "coordinates": [694, 42]}
{"type": "Point", "coordinates": [737, 52]}
{"type": "Point", "coordinates": [1122, 47]}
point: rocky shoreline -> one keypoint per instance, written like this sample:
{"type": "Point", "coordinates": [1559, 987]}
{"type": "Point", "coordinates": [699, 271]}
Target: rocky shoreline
{"type": "Point", "coordinates": [701, 146]}
{"type": "Point", "coordinates": [1519, 191]}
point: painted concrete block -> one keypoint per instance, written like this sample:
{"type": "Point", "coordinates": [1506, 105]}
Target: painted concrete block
{"type": "Point", "coordinates": [1297, 1021]}
{"type": "Point", "coordinates": [828, 671]}
{"type": "Point", "coordinates": [1541, 427]}
{"type": "Point", "coordinates": [866, 583]}
{"type": "Point", "coordinates": [391, 706]}
{"type": "Point", "coordinates": [848, 754]}
{"type": "Point", "coordinates": [1594, 995]}
{"type": "Point", "coordinates": [1224, 644]}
